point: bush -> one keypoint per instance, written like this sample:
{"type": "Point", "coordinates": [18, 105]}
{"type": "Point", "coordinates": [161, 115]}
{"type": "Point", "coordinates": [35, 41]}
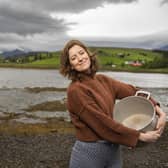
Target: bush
{"type": "Point", "coordinates": [158, 62]}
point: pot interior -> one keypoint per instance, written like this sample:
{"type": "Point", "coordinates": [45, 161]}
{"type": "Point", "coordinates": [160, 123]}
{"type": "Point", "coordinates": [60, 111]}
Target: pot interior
{"type": "Point", "coordinates": [134, 112]}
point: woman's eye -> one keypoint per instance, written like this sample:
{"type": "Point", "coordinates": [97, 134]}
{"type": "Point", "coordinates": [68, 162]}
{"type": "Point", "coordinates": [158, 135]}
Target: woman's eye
{"type": "Point", "coordinates": [73, 58]}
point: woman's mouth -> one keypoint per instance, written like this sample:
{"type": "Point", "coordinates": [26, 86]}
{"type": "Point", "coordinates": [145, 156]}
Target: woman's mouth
{"type": "Point", "coordinates": [83, 61]}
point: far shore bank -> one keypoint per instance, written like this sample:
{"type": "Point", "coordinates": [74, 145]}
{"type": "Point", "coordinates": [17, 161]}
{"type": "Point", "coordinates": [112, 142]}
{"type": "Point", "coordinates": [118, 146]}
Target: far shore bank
{"type": "Point", "coordinates": [46, 67]}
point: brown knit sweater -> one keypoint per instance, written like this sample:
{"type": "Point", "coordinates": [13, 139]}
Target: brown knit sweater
{"type": "Point", "coordinates": [90, 104]}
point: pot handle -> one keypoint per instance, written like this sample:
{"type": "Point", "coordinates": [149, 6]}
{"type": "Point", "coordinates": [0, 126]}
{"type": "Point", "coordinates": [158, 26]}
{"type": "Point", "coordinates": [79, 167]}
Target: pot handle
{"type": "Point", "coordinates": [143, 92]}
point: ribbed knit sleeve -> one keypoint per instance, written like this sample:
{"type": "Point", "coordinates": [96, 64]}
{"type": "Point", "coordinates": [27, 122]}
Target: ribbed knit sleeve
{"type": "Point", "coordinates": [121, 89]}
{"type": "Point", "coordinates": [81, 103]}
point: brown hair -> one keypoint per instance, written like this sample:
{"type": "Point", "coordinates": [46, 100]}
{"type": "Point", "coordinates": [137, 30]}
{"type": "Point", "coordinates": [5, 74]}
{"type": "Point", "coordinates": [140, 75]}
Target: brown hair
{"type": "Point", "coordinates": [65, 68]}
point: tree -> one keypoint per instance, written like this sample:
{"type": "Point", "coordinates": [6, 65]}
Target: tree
{"type": "Point", "coordinates": [159, 62]}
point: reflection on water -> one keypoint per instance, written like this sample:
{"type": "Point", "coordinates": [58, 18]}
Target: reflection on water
{"type": "Point", "coordinates": [29, 120]}
{"type": "Point", "coordinates": [149, 80]}
{"type": "Point", "coordinates": [21, 78]}
{"type": "Point", "coordinates": [16, 100]}
{"type": "Point", "coordinates": [49, 114]}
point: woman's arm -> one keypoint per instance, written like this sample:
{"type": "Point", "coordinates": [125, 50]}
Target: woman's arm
{"type": "Point", "coordinates": [161, 120]}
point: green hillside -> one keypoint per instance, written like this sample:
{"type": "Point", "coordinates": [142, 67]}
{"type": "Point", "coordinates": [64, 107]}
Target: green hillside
{"type": "Point", "coordinates": [119, 59]}
{"type": "Point", "coordinates": [119, 56]}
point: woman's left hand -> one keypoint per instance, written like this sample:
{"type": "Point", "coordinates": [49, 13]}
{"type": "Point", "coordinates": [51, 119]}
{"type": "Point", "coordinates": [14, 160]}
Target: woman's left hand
{"type": "Point", "coordinates": [161, 120]}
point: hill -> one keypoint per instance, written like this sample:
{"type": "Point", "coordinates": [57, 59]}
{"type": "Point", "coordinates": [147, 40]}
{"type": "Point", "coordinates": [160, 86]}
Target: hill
{"type": "Point", "coordinates": [119, 59]}
{"type": "Point", "coordinates": [165, 48]}
{"type": "Point", "coordinates": [12, 53]}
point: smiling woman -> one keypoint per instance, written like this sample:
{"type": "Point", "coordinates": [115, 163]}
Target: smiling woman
{"type": "Point", "coordinates": [90, 102]}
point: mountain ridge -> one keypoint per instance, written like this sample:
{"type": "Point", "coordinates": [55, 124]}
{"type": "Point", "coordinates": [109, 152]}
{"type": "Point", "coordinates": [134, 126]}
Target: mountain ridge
{"type": "Point", "coordinates": [22, 52]}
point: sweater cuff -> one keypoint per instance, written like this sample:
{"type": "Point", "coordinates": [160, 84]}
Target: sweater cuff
{"type": "Point", "coordinates": [155, 103]}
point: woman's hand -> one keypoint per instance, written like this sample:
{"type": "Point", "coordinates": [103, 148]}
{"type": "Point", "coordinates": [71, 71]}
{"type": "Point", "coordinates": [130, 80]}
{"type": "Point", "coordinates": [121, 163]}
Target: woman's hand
{"type": "Point", "coordinates": [161, 120]}
{"type": "Point", "coordinates": [150, 136]}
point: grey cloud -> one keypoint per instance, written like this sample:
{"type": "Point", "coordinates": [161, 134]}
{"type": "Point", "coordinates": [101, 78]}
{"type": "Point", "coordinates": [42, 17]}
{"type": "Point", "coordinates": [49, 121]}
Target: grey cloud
{"type": "Point", "coordinates": [22, 22]}
{"type": "Point", "coordinates": [74, 6]}
{"type": "Point", "coordinates": [163, 2]}
{"type": "Point", "coordinates": [33, 16]}
{"type": "Point", "coordinates": [44, 41]}
{"type": "Point", "coordinates": [60, 5]}
{"type": "Point", "coordinates": [6, 38]}
{"type": "Point", "coordinates": [20, 19]}
{"type": "Point", "coordinates": [150, 41]}
{"type": "Point", "coordinates": [10, 41]}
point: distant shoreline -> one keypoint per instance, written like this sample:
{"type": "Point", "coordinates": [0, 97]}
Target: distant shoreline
{"type": "Point", "coordinates": [164, 70]}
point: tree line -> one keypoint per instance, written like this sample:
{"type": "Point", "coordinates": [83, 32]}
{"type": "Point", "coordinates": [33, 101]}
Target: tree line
{"type": "Point", "coordinates": [158, 62]}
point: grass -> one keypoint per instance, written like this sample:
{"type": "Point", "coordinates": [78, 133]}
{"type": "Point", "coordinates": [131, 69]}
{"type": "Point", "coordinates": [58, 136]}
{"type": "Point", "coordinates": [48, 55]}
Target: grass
{"type": "Point", "coordinates": [106, 56]}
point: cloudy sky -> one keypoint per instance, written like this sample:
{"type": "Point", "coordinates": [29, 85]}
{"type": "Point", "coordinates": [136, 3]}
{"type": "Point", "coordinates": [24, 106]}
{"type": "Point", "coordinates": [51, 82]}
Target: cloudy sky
{"type": "Point", "coordinates": [47, 25]}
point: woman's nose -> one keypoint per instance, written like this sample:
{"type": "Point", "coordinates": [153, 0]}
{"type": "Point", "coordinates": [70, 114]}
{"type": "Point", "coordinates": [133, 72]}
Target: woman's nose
{"type": "Point", "coordinates": [80, 58]}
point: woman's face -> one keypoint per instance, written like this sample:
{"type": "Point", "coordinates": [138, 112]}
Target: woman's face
{"type": "Point", "coordinates": [79, 58]}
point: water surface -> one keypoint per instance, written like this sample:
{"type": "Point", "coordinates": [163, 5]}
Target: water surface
{"type": "Point", "coordinates": [20, 78]}
{"type": "Point", "coordinates": [14, 98]}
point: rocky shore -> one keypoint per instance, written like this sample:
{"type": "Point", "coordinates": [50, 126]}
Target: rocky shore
{"type": "Point", "coordinates": [52, 150]}
{"type": "Point", "coordinates": [30, 139]}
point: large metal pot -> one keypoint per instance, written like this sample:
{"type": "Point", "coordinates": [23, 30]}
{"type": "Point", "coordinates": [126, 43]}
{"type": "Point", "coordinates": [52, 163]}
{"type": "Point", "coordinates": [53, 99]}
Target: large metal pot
{"type": "Point", "coordinates": [136, 112]}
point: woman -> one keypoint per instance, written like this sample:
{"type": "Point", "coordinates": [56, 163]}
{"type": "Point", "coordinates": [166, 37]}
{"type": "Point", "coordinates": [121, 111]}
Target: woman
{"type": "Point", "coordinates": [91, 99]}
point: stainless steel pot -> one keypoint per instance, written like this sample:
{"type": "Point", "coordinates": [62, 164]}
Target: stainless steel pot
{"type": "Point", "coordinates": [136, 112]}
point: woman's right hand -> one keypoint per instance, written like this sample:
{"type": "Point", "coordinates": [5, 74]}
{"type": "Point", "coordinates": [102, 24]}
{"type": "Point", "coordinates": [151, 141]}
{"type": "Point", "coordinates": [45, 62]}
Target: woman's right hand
{"type": "Point", "coordinates": [150, 136]}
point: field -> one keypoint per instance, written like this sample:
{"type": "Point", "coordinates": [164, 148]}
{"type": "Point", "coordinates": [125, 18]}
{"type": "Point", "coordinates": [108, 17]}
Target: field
{"type": "Point", "coordinates": [116, 59]}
